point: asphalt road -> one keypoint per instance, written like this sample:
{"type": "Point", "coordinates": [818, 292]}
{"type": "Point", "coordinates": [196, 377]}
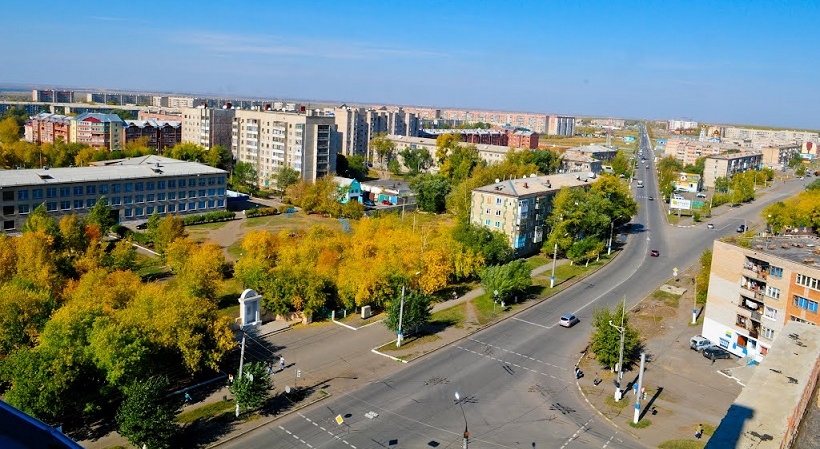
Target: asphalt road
{"type": "Point", "coordinates": [515, 379]}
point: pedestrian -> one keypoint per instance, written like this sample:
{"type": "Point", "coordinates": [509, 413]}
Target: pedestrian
{"type": "Point", "coordinates": [230, 379]}
{"type": "Point", "coordinates": [270, 367]}
{"type": "Point", "coordinates": [713, 358]}
{"type": "Point", "coordinates": [699, 431]}
{"type": "Point", "coordinates": [187, 397]}
{"type": "Point", "coordinates": [281, 363]}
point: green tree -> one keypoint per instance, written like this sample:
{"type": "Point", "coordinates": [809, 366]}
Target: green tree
{"type": "Point", "coordinates": [702, 279]}
{"type": "Point", "coordinates": [394, 167]}
{"type": "Point", "coordinates": [122, 257]}
{"type": "Point", "coordinates": [620, 164]}
{"type": "Point", "coordinates": [416, 160]}
{"type": "Point", "coordinates": [9, 131]}
{"type": "Point", "coordinates": [123, 114]}
{"type": "Point", "coordinates": [507, 280]}
{"type": "Point", "coordinates": [285, 177]}
{"type": "Point", "coordinates": [40, 220]}
{"type": "Point", "coordinates": [585, 250]}
{"type": "Point", "coordinates": [492, 245]}
{"type": "Point", "coordinates": [548, 161]}
{"type": "Point", "coordinates": [431, 192]}
{"type": "Point", "coordinates": [187, 151]}
{"type": "Point", "coordinates": [100, 214]}
{"type": "Point", "coordinates": [606, 339]}
{"type": "Point", "coordinates": [697, 167]}
{"type": "Point", "coordinates": [146, 415]}
{"type": "Point", "coordinates": [815, 185]}
{"type": "Point", "coordinates": [417, 310]}
{"type": "Point", "coordinates": [168, 229]}
{"type": "Point", "coordinates": [460, 163]}
{"type": "Point", "coordinates": [722, 184]}
{"type": "Point", "coordinates": [218, 156]}
{"type": "Point", "coordinates": [357, 167]}
{"type": "Point", "coordinates": [382, 147]}
{"type": "Point", "coordinates": [795, 160]}
{"type": "Point", "coordinates": [800, 170]}
{"type": "Point", "coordinates": [244, 175]}
{"type": "Point", "coordinates": [252, 388]}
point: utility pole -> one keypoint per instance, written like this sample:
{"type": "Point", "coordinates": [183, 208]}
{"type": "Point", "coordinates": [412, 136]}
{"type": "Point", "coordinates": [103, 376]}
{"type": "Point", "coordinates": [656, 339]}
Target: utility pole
{"type": "Point", "coordinates": [695, 302]}
{"type": "Point", "coordinates": [241, 359]}
{"type": "Point", "coordinates": [640, 390]}
{"type": "Point", "coordinates": [554, 256]}
{"type": "Point", "coordinates": [622, 331]}
{"type": "Point", "coordinates": [611, 231]}
{"type": "Point", "coordinates": [401, 315]}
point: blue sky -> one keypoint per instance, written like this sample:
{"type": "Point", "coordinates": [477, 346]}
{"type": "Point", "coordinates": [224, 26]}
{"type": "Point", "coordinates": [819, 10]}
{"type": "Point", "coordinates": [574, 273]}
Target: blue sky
{"type": "Point", "coordinates": [743, 62]}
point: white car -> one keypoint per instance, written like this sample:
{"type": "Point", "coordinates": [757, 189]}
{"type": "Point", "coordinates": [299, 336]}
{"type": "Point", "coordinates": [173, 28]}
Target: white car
{"type": "Point", "coordinates": [568, 320]}
{"type": "Point", "coordinates": [701, 195]}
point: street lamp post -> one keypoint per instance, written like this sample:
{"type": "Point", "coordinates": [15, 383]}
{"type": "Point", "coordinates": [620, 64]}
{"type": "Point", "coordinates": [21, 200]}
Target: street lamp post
{"type": "Point", "coordinates": [695, 302]}
{"type": "Point", "coordinates": [622, 331]}
{"type": "Point", "coordinates": [495, 299]}
{"type": "Point", "coordinates": [611, 231]}
{"type": "Point", "coordinates": [401, 314]}
{"type": "Point", "coordinates": [466, 440]}
{"type": "Point", "coordinates": [554, 256]}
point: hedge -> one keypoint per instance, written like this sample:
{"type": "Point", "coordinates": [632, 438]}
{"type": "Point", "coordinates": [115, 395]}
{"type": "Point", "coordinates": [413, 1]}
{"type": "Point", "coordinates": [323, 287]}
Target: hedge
{"type": "Point", "coordinates": [210, 217]}
{"type": "Point", "coordinates": [261, 212]}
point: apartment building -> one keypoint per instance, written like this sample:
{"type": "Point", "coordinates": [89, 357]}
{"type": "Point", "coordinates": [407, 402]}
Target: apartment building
{"type": "Point", "coordinates": [488, 153]}
{"type": "Point", "coordinates": [519, 208]}
{"type": "Point", "coordinates": [46, 127]}
{"type": "Point", "coordinates": [357, 126]}
{"type": "Point", "coordinates": [97, 130]}
{"type": "Point", "coordinates": [688, 150]}
{"type": "Point", "coordinates": [726, 165]}
{"type": "Point", "coordinates": [540, 123]}
{"type": "Point", "coordinates": [778, 156]}
{"type": "Point", "coordinates": [576, 162]}
{"type": "Point", "coordinates": [474, 136]}
{"type": "Point", "coordinates": [208, 126]}
{"type": "Point", "coordinates": [160, 134]}
{"type": "Point", "coordinates": [769, 136]}
{"type": "Point", "coordinates": [681, 125]}
{"type": "Point", "coordinates": [599, 152]}
{"type": "Point", "coordinates": [560, 125]}
{"type": "Point", "coordinates": [52, 96]}
{"type": "Point", "coordinates": [522, 139]}
{"type": "Point", "coordinates": [755, 291]}
{"type": "Point", "coordinates": [134, 188]}
{"type": "Point", "coordinates": [306, 142]}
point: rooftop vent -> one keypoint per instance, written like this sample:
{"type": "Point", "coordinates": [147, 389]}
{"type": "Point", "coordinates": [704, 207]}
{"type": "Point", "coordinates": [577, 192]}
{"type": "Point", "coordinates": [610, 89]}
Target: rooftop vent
{"type": "Point", "coordinates": [497, 180]}
{"type": "Point", "coordinates": [526, 186]}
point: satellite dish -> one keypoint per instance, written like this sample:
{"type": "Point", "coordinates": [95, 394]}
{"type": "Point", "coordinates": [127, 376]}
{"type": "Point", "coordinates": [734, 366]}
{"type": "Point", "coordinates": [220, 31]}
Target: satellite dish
{"type": "Point", "coordinates": [287, 389]}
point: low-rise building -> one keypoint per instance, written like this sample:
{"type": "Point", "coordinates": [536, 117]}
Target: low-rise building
{"type": "Point", "coordinates": [134, 188]}
{"type": "Point", "coordinates": [46, 127]}
{"type": "Point", "coordinates": [689, 182]}
{"type": "Point", "coordinates": [599, 152]}
{"type": "Point", "coordinates": [575, 162]}
{"type": "Point", "coordinates": [755, 291]}
{"type": "Point", "coordinates": [726, 165]}
{"type": "Point", "coordinates": [778, 156]}
{"type": "Point", "coordinates": [159, 134]}
{"type": "Point", "coordinates": [97, 130]}
{"type": "Point", "coordinates": [519, 208]}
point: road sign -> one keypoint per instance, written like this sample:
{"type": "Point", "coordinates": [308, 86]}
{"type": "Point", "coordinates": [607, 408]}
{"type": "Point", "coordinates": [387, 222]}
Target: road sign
{"type": "Point", "coordinates": [675, 271]}
{"type": "Point", "coordinates": [680, 204]}
{"type": "Point", "coordinates": [339, 420]}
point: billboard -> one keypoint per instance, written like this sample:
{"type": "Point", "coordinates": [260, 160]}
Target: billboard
{"type": "Point", "coordinates": [680, 204]}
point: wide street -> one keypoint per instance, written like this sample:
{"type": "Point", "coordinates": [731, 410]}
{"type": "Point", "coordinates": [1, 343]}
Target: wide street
{"type": "Point", "coordinates": [514, 379]}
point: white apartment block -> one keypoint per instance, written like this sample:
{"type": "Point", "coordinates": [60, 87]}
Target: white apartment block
{"type": "Point", "coordinates": [357, 126]}
{"type": "Point", "coordinates": [207, 126]}
{"type": "Point", "coordinates": [769, 136]}
{"type": "Point", "coordinates": [683, 125]}
{"type": "Point", "coordinates": [306, 142]}
{"type": "Point", "coordinates": [726, 165]}
{"type": "Point", "coordinates": [541, 123]}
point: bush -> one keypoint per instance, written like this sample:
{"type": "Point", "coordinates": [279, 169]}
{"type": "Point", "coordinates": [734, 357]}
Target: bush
{"type": "Point", "coordinates": [210, 217]}
{"type": "Point", "coordinates": [262, 194]}
{"type": "Point", "coordinates": [285, 208]}
{"type": "Point", "coordinates": [262, 212]}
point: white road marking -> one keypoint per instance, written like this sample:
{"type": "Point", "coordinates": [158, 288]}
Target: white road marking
{"type": "Point", "coordinates": [534, 324]}
{"type": "Point", "coordinates": [516, 353]}
{"type": "Point", "coordinates": [314, 423]}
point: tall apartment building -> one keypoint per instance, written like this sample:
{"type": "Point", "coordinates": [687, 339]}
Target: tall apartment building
{"type": "Point", "coordinates": [52, 96]}
{"type": "Point", "coordinates": [681, 125]}
{"type": "Point", "coordinates": [357, 126]}
{"type": "Point", "coordinates": [48, 128]}
{"type": "Point", "coordinates": [560, 125]}
{"type": "Point", "coordinates": [726, 165]}
{"type": "Point", "coordinates": [519, 208]}
{"type": "Point", "coordinates": [160, 135]}
{"type": "Point", "coordinates": [769, 136]}
{"type": "Point", "coordinates": [688, 150]}
{"type": "Point", "coordinates": [755, 291]}
{"type": "Point", "coordinates": [102, 131]}
{"type": "Point", "coordinates": [208, 127]}
{"type": "Point", "coordinates": [307, 142]}
{"type": "Point", "coordinates": [134, 188]}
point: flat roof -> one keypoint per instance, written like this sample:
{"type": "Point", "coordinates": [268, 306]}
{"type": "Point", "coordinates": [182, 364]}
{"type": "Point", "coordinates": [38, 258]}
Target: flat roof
{"type": "Point", "coordinates": [131, 168]}
{"type": "Point", "coordinates": [534, 185]}
{"type": "Point", "coordinates": [801, 249]}
{"type": "Point", "coordinates": [740, 155]}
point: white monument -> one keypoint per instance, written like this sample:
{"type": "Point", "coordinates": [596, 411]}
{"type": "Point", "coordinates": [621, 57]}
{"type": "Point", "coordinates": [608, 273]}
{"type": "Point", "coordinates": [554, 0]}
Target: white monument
{"type": "Point", "coordinates": [249, 309]}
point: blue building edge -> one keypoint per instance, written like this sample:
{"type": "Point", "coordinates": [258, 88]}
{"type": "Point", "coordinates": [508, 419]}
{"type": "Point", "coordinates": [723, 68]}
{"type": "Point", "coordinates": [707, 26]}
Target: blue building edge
{"type": "Point", "coordinates": [18, 430]}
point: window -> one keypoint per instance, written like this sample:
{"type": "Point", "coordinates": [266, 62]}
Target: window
{"type": "Point", "coordinates": [191, 182]}
{"type": "Point", "coordinates": [65, 205]}
{"type": "Point", "coordinates": [22, 194]}
{"type": "Point", "coordinates": [138, 186]}
{"type": "Point", "coordinates": [115, 201]}
{"type": "Point", "coordinates": [103, 189]}
{"type": "Point", "coordinates": [8, 225]}
{"type": "Point", "coordinates": [160, 209]}
{"type": "Point", "coordinates": [90, 202]}
{"type": "Point", "coordinates": [161, 196]}
{"type": "Point", "coordinates": [149, 185]}
{"type": "Point", "coordinates": [772, 292]}
{"type": "Point", "coordinates": [202, 181]}
{"type": "Point", "coordinates": [767, 333]}
{"type": "Point", "coordinates": [51, 206]}
{"type": "Point", "coordinates": [138, 211]}
{"type": "Point", "coordinates": [129, 213]}
{"type": "Point", "coordinates": [211, 181]}
{"type": "Point", "coordinates": [497, 224]}
{"type": "Point", "coordinates": [160, 185]}
{"type": "Point", "coordinates": [78, 204]}
{"type": "Point", "coordinates": [200, 205]}
{"type": "Point", "coordinates": [65, 191]}
{"type": "Point", "coordinates": [740, 320]}
{"type": "Point", "coordinates": [211, 203]}
{"type": "Point", "coordinates": [51, 192]}
{"type": "Point", "coordinates": [201, 192]}
{"type": "Point", "coordinates": [498, 201]}
{"type": "Point", "coordinates": [220, 180]}
{"type": "Point", "coordinates": [116, 188]}
{"type": "Point", "coordinates": [37, 194]}
{"type": "Point", "coordinates": [220, 191]}
{"type": "Point", "coordinates": [90, 190]}
{"type": "Point", "coordinates": [192, 205]}
{"type": "Point", "coordinates": [807, 281]}
{"type": "Point", "coordinates": [770, 313]}
{"type": "Point", "coordinates": [489, 211]}
{"type": "Point", "coordinates": [805, 303]}
{"type": "Point", "coordinates": [129, 187]}
{"type": "Point", "coordinates": [172, 183]}
{"type": "Point", "coordinates": [192, 194]}
{"type": "Point", "coordinates": [181, 207]}
{"type": "Point", "coordinates": [139, 198]}
{"type": "Point", "coordinates": [172, 195]}
{"type": "Point", "coordinates": [182, 194]}
{"type": "Point", "coordinates": [498, 213]}
{"type": "Point", "coordinates": [23, 208]}
{"type": "Point", "coordinates": [220, 203]}
{"type": "Point", "coordinates": [149, 198]}
{"type": "Point", "coordinates": [8, 210]}
{"type": "Point", "coordinates": [78, 190]}
{"type": "Point", "coordinates": [149, 210]}
{"type": "Point", "coordinates": [172, 208]}
{"type": "Point", "coordinates": [211, 192]}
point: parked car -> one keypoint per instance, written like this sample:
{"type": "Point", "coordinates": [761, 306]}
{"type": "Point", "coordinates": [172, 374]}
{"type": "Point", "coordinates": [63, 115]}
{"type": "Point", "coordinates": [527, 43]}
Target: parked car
{"type": "Point", "coordinates": [699, 343]}
{"type": "Point", "coordinates": [654, 253]}
{"type": "Point", "coordinates": [369, 203]}
{"type": "Point", "coordinates": [710, 226]}
{"type": "Point", "coordinates": [387, 202]}
{"type": "Point", "coordinates": [715, 352]}
{"type": "Point", "coordinates": [568, 320]}
{"type": "Point", "coordinates": [142, 226]}
{"type": "Point", "coordinates": [701, 195]}
{"type": "Point", "coordinates": [742, 228]}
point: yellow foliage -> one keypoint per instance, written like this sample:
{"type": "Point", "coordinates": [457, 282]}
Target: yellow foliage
{"type": "Point", "coordinates": [260, 244]}
{"type": "Point", "coordinates": [8, 258]}
{"type": "Point", "coordinates": [35, 259]}
{"type": "Point", "coordinates": [438, 268]}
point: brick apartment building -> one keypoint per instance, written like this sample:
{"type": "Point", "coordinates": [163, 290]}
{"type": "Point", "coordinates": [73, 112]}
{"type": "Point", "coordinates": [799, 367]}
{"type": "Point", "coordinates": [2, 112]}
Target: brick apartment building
{"type": "Point", "coordinates": [160, 135]}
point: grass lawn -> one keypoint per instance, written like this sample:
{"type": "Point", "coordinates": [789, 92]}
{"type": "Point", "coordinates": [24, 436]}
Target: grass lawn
{"type": "Point", "coordinates": [453, 316]}
{"type": "Point", "coordinates": [149, 267]}
{"type": "Point", "coordinates": [641, 424]}
{"type": "Point", "coordinates": [682, 444]}
{"type": "Point", "coordinates": [409, 342]}
{"type": "Point", "coordinates": [536, 261]}
{"type": "Point", "coordinates": [207, 411]}
{"type": "Point", "coordinates": [667, 298]}
{"type": "Point", "coordinates": [206, 226]}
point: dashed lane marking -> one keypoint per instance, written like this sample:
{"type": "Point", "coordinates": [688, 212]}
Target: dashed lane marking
{"type": "Point", "coordinates": [517, 353]}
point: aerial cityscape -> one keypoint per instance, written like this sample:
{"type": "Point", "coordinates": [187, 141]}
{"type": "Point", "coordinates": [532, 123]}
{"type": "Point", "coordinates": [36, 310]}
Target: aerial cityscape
{"type": "Point", "coordinates": [425, 225]}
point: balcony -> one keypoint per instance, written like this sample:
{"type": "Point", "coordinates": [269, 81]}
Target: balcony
{"type": "Point", "coordinates": [752, 293]}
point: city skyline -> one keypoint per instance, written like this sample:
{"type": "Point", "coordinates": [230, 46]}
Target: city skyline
{"type": "Point", "coordinates": [729, 64]}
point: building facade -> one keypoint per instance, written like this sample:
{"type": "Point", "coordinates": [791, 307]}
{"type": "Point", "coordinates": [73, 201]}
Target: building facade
{"type": "Point", "coordinates": [134, 188]}
{"type": "Point", "coordinates": [561, 125]}
{"type": "Point", "coordinates": [778, 156]}
{"type": "Point", "coordinates": [48, 128]}
{"type": "Point", "coordinates": [681, 125]}
{"type": "Point", "coordinates": [357, 126]}
{"type": "Point", "coordinates": [208, 126]}
{"type": "Point", "coordinates": [519, 208]}
{"type": "Point", "coordinates": [769, 136]}
{"type": "Point", "coordinates": [97, 130]}
{"type": "Point", "coordinates": [523, 139]}
{"type": "Point", "coordinates": [306, 142]}
{"type": "Point", "coordinates": [52, 96]}
{"type": "Point", "coordinates": [754, 292]}
{"type": "Point", "coordinates": [159, 135]}
{"type": "Point", "coordinates": [726, 165]}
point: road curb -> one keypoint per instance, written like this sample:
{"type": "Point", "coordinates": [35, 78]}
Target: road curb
{"type": "Point", "coordinates": [376, 351]}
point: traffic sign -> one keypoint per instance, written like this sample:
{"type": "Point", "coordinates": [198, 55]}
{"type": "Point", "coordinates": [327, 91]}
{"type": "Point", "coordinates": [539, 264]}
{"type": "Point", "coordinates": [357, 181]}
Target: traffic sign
{"type": "Point", "coordinates": [339, 420]}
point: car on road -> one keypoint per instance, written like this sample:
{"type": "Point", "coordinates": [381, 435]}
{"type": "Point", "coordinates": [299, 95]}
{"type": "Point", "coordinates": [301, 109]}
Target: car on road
{"type": "Point", "coordinates": [568, 320]}
{"type": "Point", "coordinates": [369, 203]}
{"type": "Point", "coordinates": [701, 195]}
{"type": "Point", "coordinates": [742, 228]}
{"type": "Point", "coordinates": [710, 226]}
{"type": "Point", "coordinates": [387, 202]}
{"type": "Point", "coordinates": [654, 253]}
{"type": "Point", "coordinates": [699, 343]}
{"type": "Point", "coordinates": [715, 352]}
{"type": "Point", "coordinates": [640, 186]}
{"type": "Point", "coordinates": [647, 166]}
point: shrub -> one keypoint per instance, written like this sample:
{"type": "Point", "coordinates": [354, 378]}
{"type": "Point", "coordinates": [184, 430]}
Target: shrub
{"type": "Point", "coordinates": [210, 217]}
{"type": "Point", "coordinates": [261, 212]}
{"type": "Point", "coordinates": [285, 208]}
